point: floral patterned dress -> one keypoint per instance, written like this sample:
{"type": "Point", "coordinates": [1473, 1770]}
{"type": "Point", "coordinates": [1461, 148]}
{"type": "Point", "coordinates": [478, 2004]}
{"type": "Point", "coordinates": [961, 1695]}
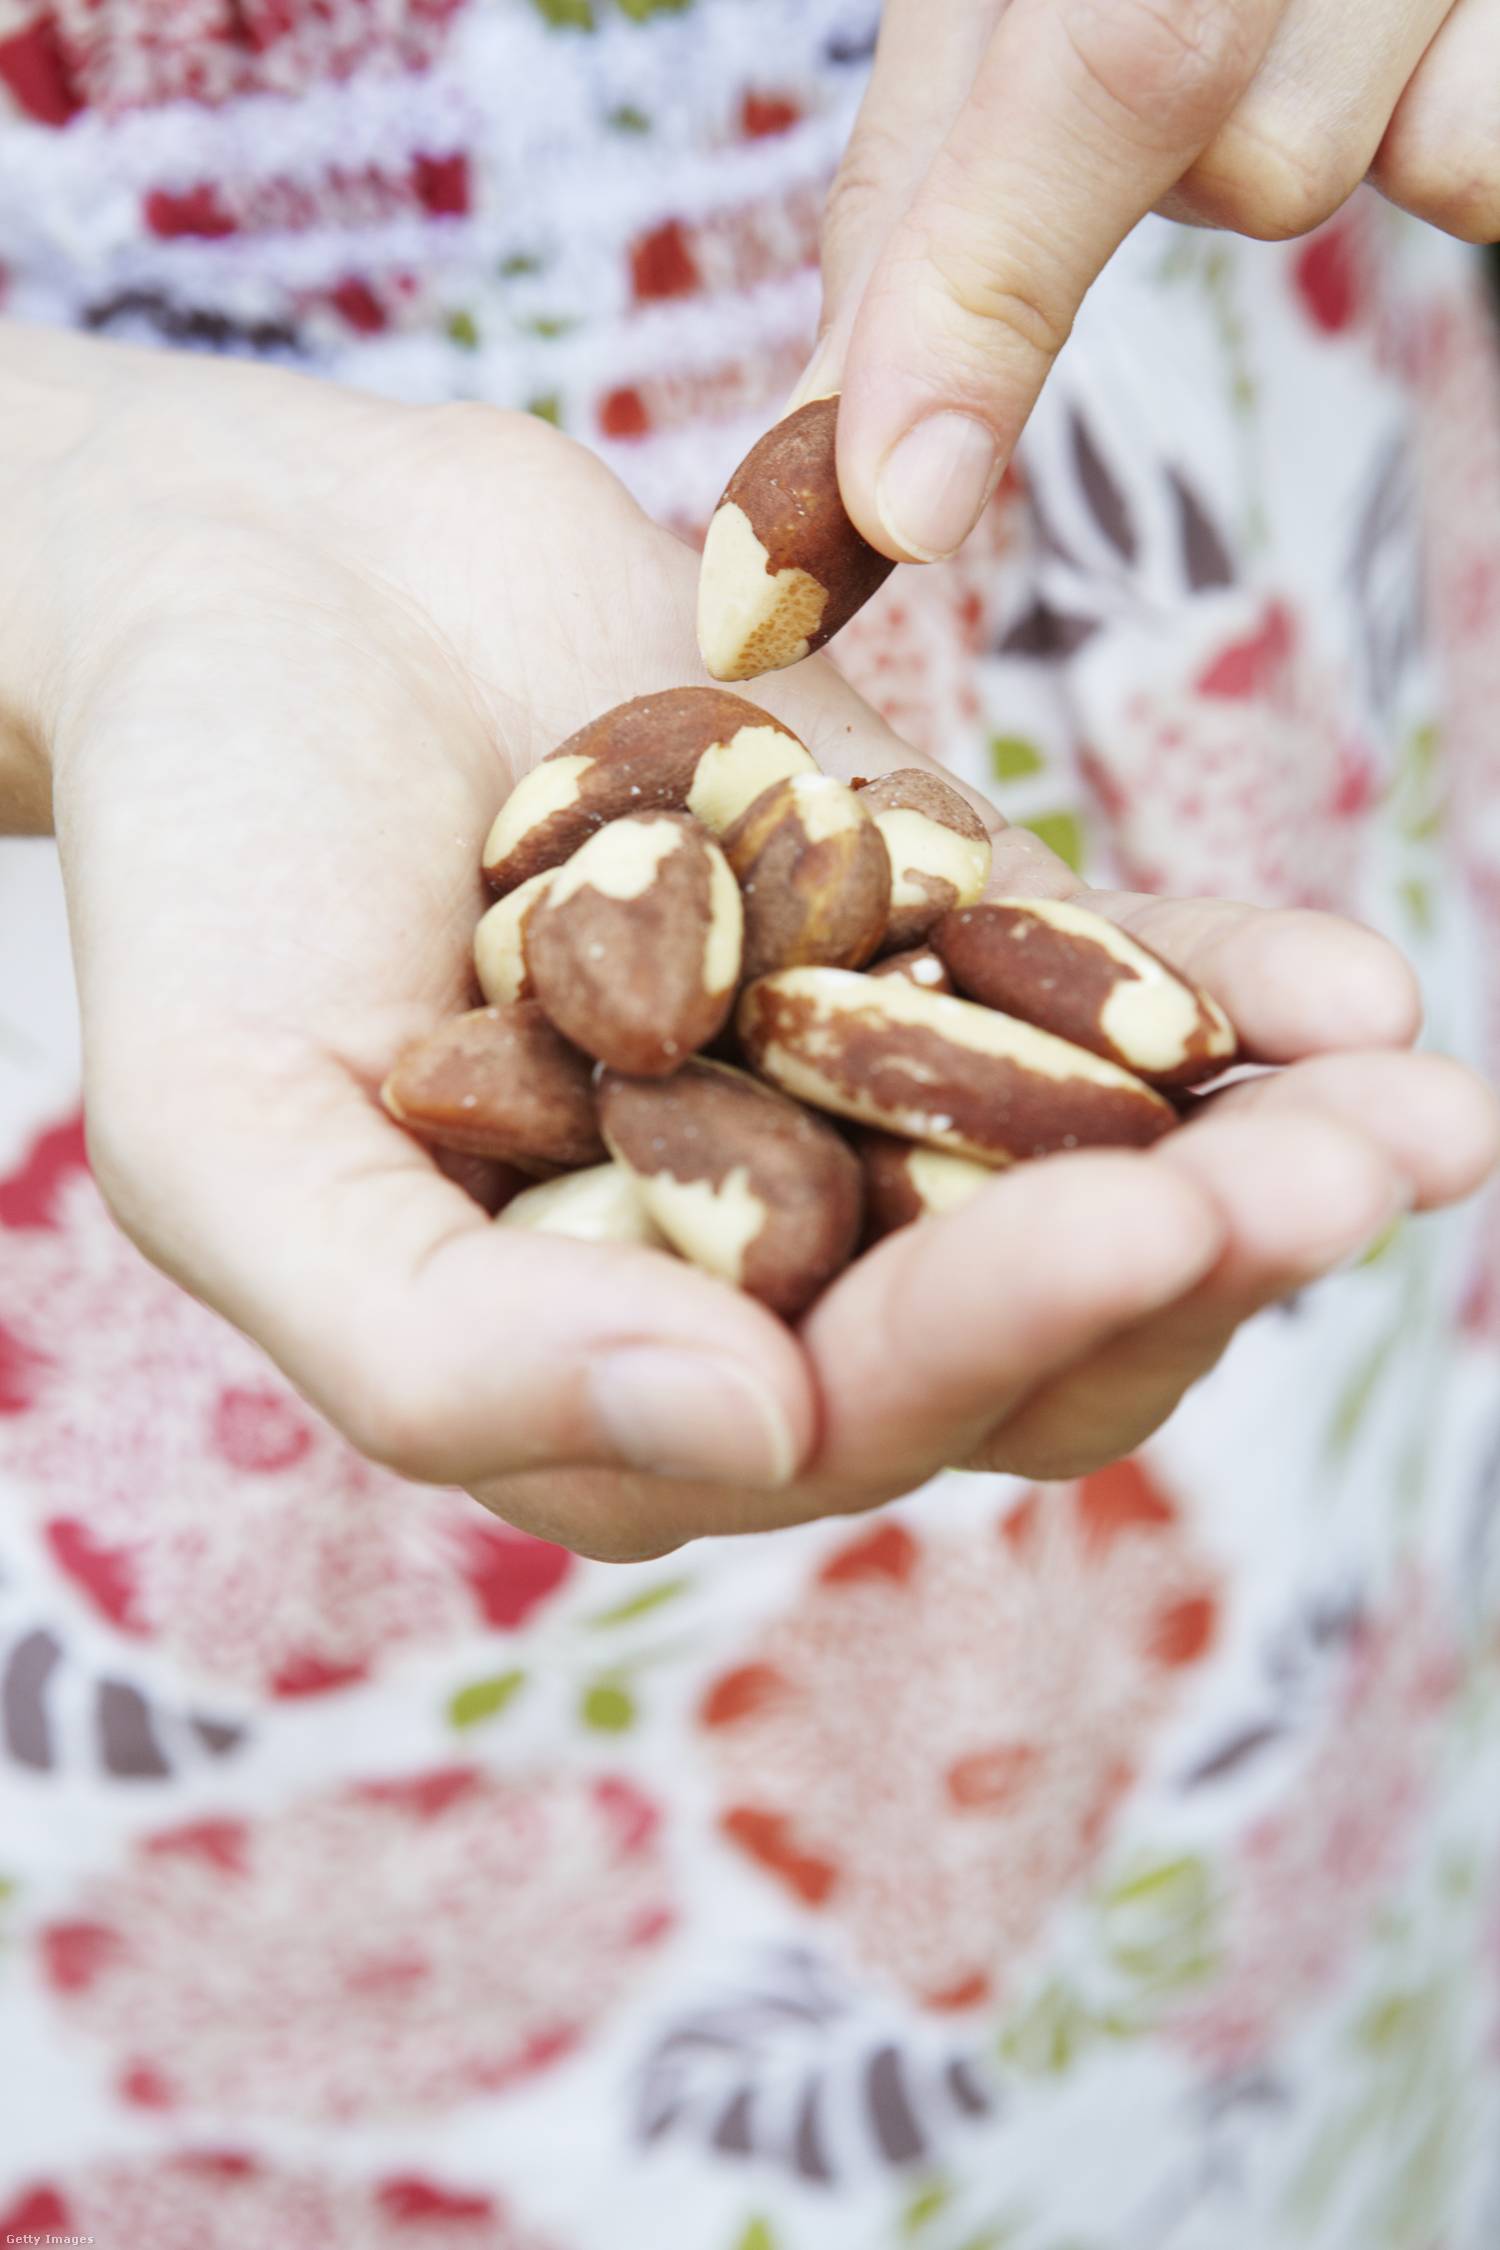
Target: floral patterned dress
{"type": "Point", "coordinates": [1110, 1866]}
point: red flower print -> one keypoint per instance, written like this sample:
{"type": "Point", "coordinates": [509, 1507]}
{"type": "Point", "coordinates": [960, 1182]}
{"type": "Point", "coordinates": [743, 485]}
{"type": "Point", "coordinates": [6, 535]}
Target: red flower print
{"type": "Point", "coordinates": [1306, 1878]}
{"type": "Point", "coordinates": [931, 1746]}
{"type": "Point", "coordinates": [396, 1946]}
{"type": "Point", "coordinates": [187, 1492]}
{"type": "Point", "coordinates": [213, 2199]}
{"type": "Point", "coordinates": [1232, 773]}
{"type": "Point", "coordinates": [1333, 272]}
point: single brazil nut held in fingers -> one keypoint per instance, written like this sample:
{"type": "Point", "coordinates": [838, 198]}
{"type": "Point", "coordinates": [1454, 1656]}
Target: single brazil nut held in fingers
{"type": "Point", "coordinates": [939, 850]}
{"type": "Point", "coordinates": [882, 1051]}
{"type": "Point", "coordinates": [783, 567]}
{"type": "Point", "coordinates": [919, 965]}
{"type": "Point", "coordinates": [1075, 973]}
{"type": "Point", "coordinates": [602, 1204]}
{"type": "Point", "coordinates": [744, 1183]}
{"type": "Point", "coordinates": [498, 1082]}
{"type": "Point", "coordinates": [690, 749]}
{"type": "Point", "coordinates": [905, 1182]}
{"type": "Point", "coordinates": [635, 951]}
{"type": "Point", "coordinates": [814, 873]}
{"type": "Point", "coordinates": [499, 944]}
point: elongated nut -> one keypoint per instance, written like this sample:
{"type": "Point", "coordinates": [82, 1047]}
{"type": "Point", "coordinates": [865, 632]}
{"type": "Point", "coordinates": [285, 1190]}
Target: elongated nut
{"type": "Point", "coordinates": [783, 566]}
{"type": "Point", "coordinates": [635, 950]}
{"type": "Point", "coordinates": [499, 944]}
{"type": "Point", "coordinates": [905, 1181]}
{"type": "Point", "coordinates": [886, 1053]}
{"type": "Point", "coordinates": [690, 749]}
{"type": "Point", "coordinates": [940, 853]}
{"type": "Point", "coordinates": [498, 1082]}
{"type": "Point", "coordinates": [740, 1180]}
{"type": "Point", "coordinates": [1075, 973]}
{"type": "Point", "coordinates": [920, 965]}
{"type": "Point", "coordinates": [602, 1204]}
{"type": "Point", "coordinates": [815, 875]}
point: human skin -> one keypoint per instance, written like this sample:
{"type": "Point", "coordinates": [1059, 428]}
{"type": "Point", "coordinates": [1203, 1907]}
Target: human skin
{"type": "Point", "coordinates": [994, 170]}
{"type": "Point", "coordinates": [271, 655]}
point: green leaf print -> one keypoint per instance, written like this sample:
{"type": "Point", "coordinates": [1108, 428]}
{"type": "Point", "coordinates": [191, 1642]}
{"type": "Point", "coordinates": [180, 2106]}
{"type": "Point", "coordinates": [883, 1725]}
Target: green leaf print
{"type": "Point", "coordinates": [547, 407]}
{"type": "Point", "coordinates": [758, 2236]}
{"type": "Point", "coordinates": [462, 331]}
{"type": "Point", "coordinates": [574, 15]}
{"type": "Point", "coordinates": [1013, 758]}
{"type": "Point", "coordinates": [607, 1707]}
{"type": "Point", "coordinates": [628, 119]}
{"type": "Point", "coordinates": [929, 2202]}
{"type": "Point", "coordinates": [484, 1699]}
{"type": "Point", "coordinates": [1360, 1393]}
{"type": "Point", "coordinates": [1061, 832]}
{"type": "Point", "coordinates": [641, 11]}
{"type": "Point", "coordinates": [1160, 1925]}
{"type": "Point", "coordinates": [640, 1605]}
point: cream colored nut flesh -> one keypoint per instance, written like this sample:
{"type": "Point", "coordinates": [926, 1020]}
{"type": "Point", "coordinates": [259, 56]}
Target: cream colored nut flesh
{"type": "Point", "coordinates": [814, 873]}
{"type": "Point", "coordinates": [499, 958]}
{"type": "Point", "coordinates": [927, 1067]}
{"type": "Point", "coordinates": [553, 787]}
{"type": "Point", "coordinates": [602, 1204]}
{"type": "Point", "coordinates": [905, 1181]}
{"type": "Point", "coordinates": [920, 848]}
{"type": "Point", "coordinates": [733, 773]}
{"type": "Point", "coordinates": [751, 618]}
{"type": "Point", "coordinates": [1061, 966]}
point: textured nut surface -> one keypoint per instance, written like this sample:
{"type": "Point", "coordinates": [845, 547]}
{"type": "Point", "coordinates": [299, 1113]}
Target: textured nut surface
{"type": "Point", "coordinates": [1073, 972]}
{"type": "Point", "coordinates": [935, 1069]}
{"type": "Point", "coordinates": [939, 851]}
{"type": "Point", "coordinates": [498, 1082]}
{"type": "Point", "coordinates": [688, 749]}
{"type": "Point", "coordinates": [602, 1204]}
{"type": "Point", "coordinates": [783, 566]}
{"type": "Point", "coordinates": [741, 1181]}
{"type": "Point", "coordinates": [905, 1181]}
{"type": "Point", "coordinates": [815, 876]}
{"type": "Point", "coordinates": [635, 950]}
{"type": "Point", "coordinates": [919, 965]}
{"type": "Point", "coordinates": [499, 954]}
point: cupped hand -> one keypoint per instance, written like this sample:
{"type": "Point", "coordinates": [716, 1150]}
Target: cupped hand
{"type": "Point", "coordinates": [1003, 153]}
{"type": "Point", "coordinates": [286, 650]}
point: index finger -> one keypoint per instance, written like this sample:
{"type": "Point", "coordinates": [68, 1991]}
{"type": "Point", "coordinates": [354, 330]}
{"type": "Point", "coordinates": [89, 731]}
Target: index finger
{"type": "Point", "coordinates": [1083, 114]}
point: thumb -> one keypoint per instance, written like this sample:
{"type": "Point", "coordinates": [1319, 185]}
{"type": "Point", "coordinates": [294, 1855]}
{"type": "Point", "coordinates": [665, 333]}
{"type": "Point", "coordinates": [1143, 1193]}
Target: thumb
{"type": "Point", "coordinates": [1082, 114]}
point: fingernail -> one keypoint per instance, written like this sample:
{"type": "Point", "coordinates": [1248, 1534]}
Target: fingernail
{"type": "Point", "coordinates": [685, 1414]}
{"type": "Point", "coordinates": [936, 483]}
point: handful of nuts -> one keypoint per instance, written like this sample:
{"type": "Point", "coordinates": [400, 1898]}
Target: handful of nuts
{"type": "Point", "coordinates": [681, 877]}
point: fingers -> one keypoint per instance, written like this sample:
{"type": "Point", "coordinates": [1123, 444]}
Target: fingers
{"type": "Point", "coordinates": [1083, 114]}
{"type": "Point", "coordinates": [923, 1345]}
{"type": "Point", "coordinates": [453, 1350]}
{"type": "Point", "coordinates": [1307, 129]}
{"type": "Point", "coordinates": [1440, 157]}
{"type": "Point", "coordinates": [1296, 1193]}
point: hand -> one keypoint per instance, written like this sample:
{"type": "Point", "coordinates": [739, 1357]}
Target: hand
{"type": "Point", "coordinates": [286, 649]}
{"type": "Point", "coordinates": [1002, 155]}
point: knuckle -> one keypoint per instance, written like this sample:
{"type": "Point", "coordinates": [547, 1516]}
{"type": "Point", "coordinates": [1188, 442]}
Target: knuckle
{"type": "Point", "coordinates": [862, 182]}
{"type": "Point", "coordinates": [1170, 65]}
{"type": "Point", "coordinates": [1448, 176]}
{"type": "Point", "coordinates": [996, 292]}
{"type": "Point", "coordinates": [389, 1408]}
{"type": "Point", "coordinates": [1271, 182]}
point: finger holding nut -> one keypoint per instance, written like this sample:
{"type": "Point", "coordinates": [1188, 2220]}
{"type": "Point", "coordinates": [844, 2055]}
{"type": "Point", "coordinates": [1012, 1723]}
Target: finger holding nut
{"type": "Point", "coordinates": [783, 567]}
{"type": "Point", "coordinates": [939, 850]}
{"type": "Point", "coordinates": [905, 1182]}
{"type": "Point", "coordinates": [689, 749]}
{"type": "Point", "coordinates": [1075, 973]}
{"type": "Point", "coordinates": [883, 1052]}
{"type": "Point", "coordinates": [635, 950]}
{"type": "Point", "coordinates": [814, 873]}
{"type": "Point", "coordinates": [741, 1181]}
{"type": "Point", "coordinates": [602, 1204]}
{"type": "Point", "coordinates": [498, 1082]}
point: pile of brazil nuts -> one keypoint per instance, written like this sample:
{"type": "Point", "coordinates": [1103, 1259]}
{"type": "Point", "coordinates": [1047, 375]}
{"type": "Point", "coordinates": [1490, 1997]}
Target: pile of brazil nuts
{"type": "Point", "coordinates": [744, 1012]}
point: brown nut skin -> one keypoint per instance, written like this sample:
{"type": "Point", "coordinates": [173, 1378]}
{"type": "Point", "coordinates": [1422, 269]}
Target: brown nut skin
{"type": "Point", "coordinates": [741, 1181]}
{"type": "Point", "coordinates": [689, 749]}
{"type": "Point", "coordinates": [905, 1182]}
{"type": "Point", "coordinates": [635, 951]}
{"type": "Point", "coordinates": [939, 850]}
{"type": "Point", "coordinates": [815, 875]}
{"type": "Point", "coordinates": [882, 1051]}
{"type": "Point", "coordinates": [498, 1082]}
{"type": "Point", "coordinates": [919, 965]}
{"type": "Point", "coordinates": [783, 567]}
{"type": "Point", "coordinates": [1075, 973]}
